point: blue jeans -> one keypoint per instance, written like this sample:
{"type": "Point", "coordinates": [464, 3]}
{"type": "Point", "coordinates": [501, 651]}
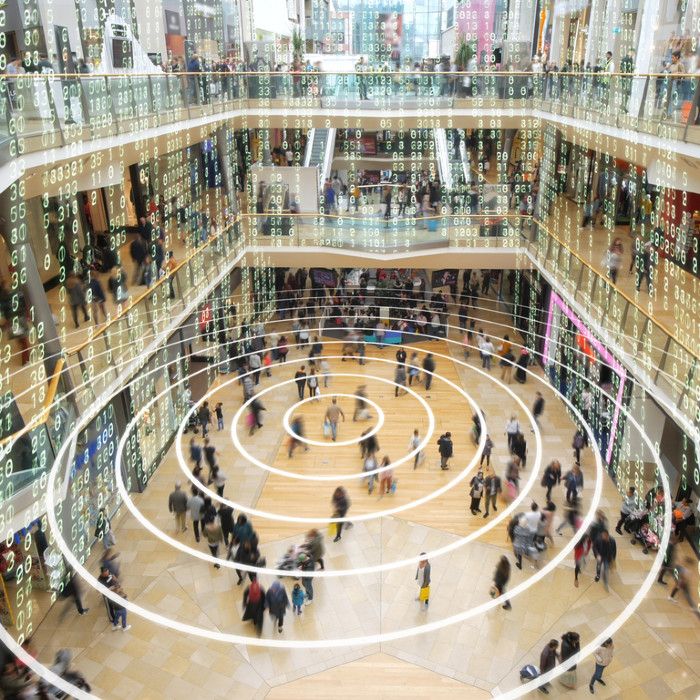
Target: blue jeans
{"type": "Point", "coordinates": [597, 674]}
{"type": "Point", "coordinates": [334, 430]}
{"type": "Point", "coordinates": [119, 615]}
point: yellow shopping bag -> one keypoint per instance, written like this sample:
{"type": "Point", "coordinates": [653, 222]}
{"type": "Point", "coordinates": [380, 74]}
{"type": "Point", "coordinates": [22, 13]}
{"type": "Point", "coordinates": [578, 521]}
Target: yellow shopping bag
{"type": "Point", "coordinates": [424, 594]}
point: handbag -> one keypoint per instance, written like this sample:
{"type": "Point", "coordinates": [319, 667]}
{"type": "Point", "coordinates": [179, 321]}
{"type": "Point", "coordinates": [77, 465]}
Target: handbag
{"type": "Point", "coordinates": [424, 594]}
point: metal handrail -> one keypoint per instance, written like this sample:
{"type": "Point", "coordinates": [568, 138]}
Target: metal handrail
{"type": "Point", "coordinates": [43, 415]}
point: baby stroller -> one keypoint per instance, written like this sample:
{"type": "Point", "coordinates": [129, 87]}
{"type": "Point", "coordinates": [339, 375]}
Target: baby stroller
{"type": "Point", "coordinates": [648, 538]}
{"type": "Point", "coordinates": [192, 420]}
{"type": "Point", "coordinates": [635, 520]}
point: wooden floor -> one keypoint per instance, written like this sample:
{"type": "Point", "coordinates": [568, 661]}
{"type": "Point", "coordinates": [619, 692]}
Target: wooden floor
{"type": "Point", "coordinates": [383, 677]}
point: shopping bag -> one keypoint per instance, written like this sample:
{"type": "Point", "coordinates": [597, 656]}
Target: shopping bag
{"type": "Point", "coordinates": [393, 485]}
{"type": "Point", "coordinates": [326, 429]}
{"type": "Point", "coordinates": [317, 392]}
{"type": "Point", "coordinates": [332, 529]}
{"type": "Point", "coordinates": [424, 594]}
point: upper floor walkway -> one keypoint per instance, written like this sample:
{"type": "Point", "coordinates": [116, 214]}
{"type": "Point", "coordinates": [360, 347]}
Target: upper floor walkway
{"type": "Point", "coordinates": [59, 117]}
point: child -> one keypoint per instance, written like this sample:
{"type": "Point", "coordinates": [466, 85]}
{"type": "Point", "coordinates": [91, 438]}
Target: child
{"type": "Point", "coordinates": [267, 363]}
{"type": "Point", "coordinates": [219, 410]}
{"type": "Point", "coordinates": [298, 596]}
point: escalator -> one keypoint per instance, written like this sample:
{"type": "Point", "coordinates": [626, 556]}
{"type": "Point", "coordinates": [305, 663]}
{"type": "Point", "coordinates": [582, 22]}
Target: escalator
{"type": "Point", "coordinates": [319, 152]}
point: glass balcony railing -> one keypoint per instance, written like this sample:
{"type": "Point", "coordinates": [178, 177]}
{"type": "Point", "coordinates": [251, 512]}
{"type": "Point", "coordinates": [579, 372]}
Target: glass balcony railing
{"type": "Point", "coordinates": [385, 236]}
{"type": "Point", "coordinates": [47, 111]}
{"type": "Point", "coordinates": [658, 356]}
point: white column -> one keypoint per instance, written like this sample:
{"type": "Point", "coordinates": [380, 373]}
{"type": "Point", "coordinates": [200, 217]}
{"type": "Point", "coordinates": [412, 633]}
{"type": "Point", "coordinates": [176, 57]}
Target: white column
{"type": "Point", "coordinates": [650, 14]}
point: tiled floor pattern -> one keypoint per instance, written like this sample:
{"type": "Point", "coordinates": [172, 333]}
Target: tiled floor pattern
{"type": "Point", "coordinates": [658, 648]}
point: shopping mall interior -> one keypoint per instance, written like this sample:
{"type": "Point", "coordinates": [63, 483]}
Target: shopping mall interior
{"type": "Point", "coordinates": [349, 348]}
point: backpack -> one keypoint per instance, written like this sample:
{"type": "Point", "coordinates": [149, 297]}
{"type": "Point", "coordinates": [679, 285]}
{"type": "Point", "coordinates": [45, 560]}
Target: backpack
{"type": "Point", "coordinates": [511, 525]}
{"type": "Point", "coordinates": [529, 672]}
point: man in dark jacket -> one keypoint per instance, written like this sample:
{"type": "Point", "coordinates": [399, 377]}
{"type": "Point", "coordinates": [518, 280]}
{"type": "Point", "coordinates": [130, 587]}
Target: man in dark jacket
{"type": "Point", "coordinates": [605, 551]}
{"type": "Point", "coordinates": [445, 448]}
{"type": "Point", "coordinates": [138, 251]}
{"type": "Point", "coordinates": [428, 369]}
{"type": "Point", "coordinates": [492, 487]}
{"type": "Point", "coordinates": [177, 504]}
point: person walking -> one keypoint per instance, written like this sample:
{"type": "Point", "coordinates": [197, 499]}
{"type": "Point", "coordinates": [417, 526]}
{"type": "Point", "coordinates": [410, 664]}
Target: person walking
{"type": "Point", "coordinates": [570, 645]}
{"type": "Point", "coordinates": [486, 452]}
{"type": "Point", "coordinates": [195, 504]}
{"type": "Point", "coordinates": [577, 444]}
{"type": "Point", "coordinates": [669, 560]}
{"type": "Point", "coordinates": [98, 299]}
{"type": "Point", "coordinates": [629, 503]}
{"type": "Point", "coordinates": [204, 417]}
{"type": "Point", "coordinates": [492, 487]}
{"type": "Point", "coordinates": [512, 429]}
{"type": "Point", "coordinates": [218, 479]}
{"type": "Point", "coordinates": [297, 431]}
{"type": "Point", "coordinates": [115, 611]}
{"type": "Point", "coordinates": [219, 413]}
{"type": "Point", "coordinates": [537, 409]}
{"type": "Point", "coordinates": [428, 370]}
{"type": "Point", "coordinates": [551, 477]}
{"type": "Point", "coordinates": [333, 415]}
{"type": "Point", "coordinates": [476, 491]}
{"type": "Point", "coordinates": [413, 369]}
{"type": "Point", "coordinates": [215, 536]}
{"type": "Point", "coordinates": [501, 576]}
{"type": "Point", "coordinates": [177, 504]}
{"type": "Point", "coordinates": [401, 356]}
{"type": "Point", "coordinates": [486, 348]}
{"type": "Point", "coordinates": [548, 660]}
{"type": "Point", "coordinates": [341, 505]}
{"type": "Point", "coordinates": [76, 298]}
{"type": "Point", "coordinates": [684, 583]}
{"type": "Point", "coordinates": [314, 545]}
{"type": "Point", "coordinates": [312, 384]}
{"type": "Point", "coordinates": [254, 604]}
{"type": "Point", "coordinates": [277, 603]}
{"type": "Point", "coordinates": [195, 452]}
{"type": "Point", "coordinates": [581, 550]}
{"type": "Point", "coordinates": [605, 551]}
{"type": "Point", "coordinates": [305, 563]}
{"type": "Point", "coordinates": [386, 478]}
{"type": "Point", "coordinates": [423, 580]}
{"type": "Point", "coordinates": [602, 656]}
{"type": "Point", "coordinates": [400, 380]}
{"type": "Point", "coordinates": [414, 444]}
{"type": "Point", "coordinates": [226, 521]}
{"type": "Point", "coordinates": [210, 454]}
{"type": "Point", "coordinates": [445, 449]}
{"type": "Point", "coordinates": [368, 467]}
{"type": "Point", "coordinates": [360, 403]}
{"type": "Point", "coordinates": [300, 379]}
{"type": "Point", "coordinates": [573, 480]}
{"type": "Point", "coordinates": [522, 538]}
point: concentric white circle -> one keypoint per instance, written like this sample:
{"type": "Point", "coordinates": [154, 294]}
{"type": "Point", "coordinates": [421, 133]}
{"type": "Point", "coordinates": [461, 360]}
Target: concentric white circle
{"type": "Point", "coordinates": [325, 443]}
{"type": "Point", "coordinates": [313, 477]}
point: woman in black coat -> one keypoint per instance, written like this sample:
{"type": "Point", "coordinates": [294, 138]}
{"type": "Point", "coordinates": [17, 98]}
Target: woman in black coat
{"type": "Point", "coordinates": [570, 645]}
{"type": "Point", "coordinates": [500, 580]}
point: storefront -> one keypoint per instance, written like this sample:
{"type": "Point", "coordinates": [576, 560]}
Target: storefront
{"type": "Point", "coordinates": [577, 363]}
